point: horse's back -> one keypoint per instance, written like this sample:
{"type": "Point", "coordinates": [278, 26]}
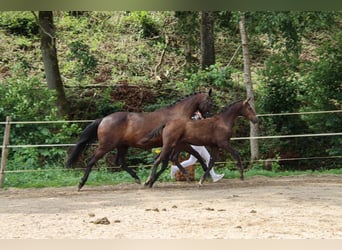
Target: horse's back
{"type": "Point", "coordinates": [128, 128]}
{"type": "Point", "coordinates": [114, 119]}
{"type": "Point", "coordinates": [202, 132]}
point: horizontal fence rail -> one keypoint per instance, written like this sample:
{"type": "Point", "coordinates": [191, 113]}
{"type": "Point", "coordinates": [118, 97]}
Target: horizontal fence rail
{"type": "Point", "coordinates": [302, 113]}
{"type": "Point", "coordinates": [150, 165]}
{"type": "Point", "coordinates": [259, 115]}
{"type": "Point", "coordinates": [9, 122]}
{"type": "Point", "coordinates": [233, 139]}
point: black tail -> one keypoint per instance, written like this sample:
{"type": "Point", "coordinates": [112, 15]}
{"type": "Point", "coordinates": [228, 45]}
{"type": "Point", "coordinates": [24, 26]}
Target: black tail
{"type": "Point", "coordinates": [88, 136]}
{"type": "Point", "coordinates": [154, 133]}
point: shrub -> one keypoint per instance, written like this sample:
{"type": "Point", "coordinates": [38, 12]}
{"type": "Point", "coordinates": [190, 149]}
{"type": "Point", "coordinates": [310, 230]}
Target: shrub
{"type": "Point", "coordinates": [324, 92]}
{"type": "Point", "coordinates": [26, 99]}
{"type": "Point", "coordinates": [86, 62]}
{"type": "Point", "coordinates": [280, 93]}
{"type": "Point", "coordinates": [144, 23]}
{"type": "Point", "coordinates": [19, 23]}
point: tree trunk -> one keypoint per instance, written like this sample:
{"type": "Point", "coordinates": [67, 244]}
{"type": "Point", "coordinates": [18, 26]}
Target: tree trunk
{"type": "Point", "coordinates": [207, 39]}
{"type": "Point", "coordinates": [249, 86]}
{"type": "Point", "coordinates": [49, 54]}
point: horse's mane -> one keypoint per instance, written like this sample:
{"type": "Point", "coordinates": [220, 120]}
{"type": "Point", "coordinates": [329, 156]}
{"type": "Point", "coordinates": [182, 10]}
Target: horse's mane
{"type": "Point", "coordinates": [185, 97]}
{"type": "Point", "coordinates": [229, 106]}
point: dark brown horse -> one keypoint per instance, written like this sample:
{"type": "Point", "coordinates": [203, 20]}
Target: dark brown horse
{"type": "Point", "coordinates": [214, 132]}
{"type": "Point", "coordinates": [122, 130]}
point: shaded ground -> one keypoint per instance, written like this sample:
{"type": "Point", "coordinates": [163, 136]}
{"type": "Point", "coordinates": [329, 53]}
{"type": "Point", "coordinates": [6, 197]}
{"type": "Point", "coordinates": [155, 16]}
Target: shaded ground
{"type": "Point", "coordinates": [259, 207]}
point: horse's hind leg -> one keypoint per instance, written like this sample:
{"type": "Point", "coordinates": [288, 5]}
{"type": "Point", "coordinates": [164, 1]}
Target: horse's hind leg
{"type": "Point", "coordinates": [174, 158]}
{"type": "Point", "coordinates": [193, 152]}
{"type": "Point", "coordinates": [120, 160]}
{"type": "Point", "coordinates": [165, 161]}
{"type": "Point", "coordinates": [214, 152]}
{"type": "Point", "coordinates": [236, 155]}
{"type": "Point", "coordinates": [182, 169]}
{"type": "Point", "coordinates": [164, 166]}
{"type": "Point", "coordinates": [163, 157]}
{"type": "Point", "coordinates": [84, 179]}
{"type": "Point", "coordinates": [206, 173]}
{"type": "Point", "coordinates": [150, 180]}
{"type": "Point", "coordinates": [97, 155]}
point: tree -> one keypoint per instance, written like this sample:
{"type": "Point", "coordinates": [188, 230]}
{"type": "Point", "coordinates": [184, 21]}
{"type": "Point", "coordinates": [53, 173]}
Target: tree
{"type": "Point", "coordinates": [249, 85]}
{"type": "Point", "coordinates": [49, 54]}
{"type": "Point", "coordinates": [187, 29]}
{"type": "Point", "coordinates": [207, 39]}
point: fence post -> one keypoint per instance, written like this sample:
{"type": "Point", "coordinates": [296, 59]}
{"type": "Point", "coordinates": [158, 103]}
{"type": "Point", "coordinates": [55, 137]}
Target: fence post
{"type": "Point", "coordinates": [4, 152]}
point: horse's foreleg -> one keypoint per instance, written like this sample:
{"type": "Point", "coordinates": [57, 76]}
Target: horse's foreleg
{"type": "Point", "coordinates": [153, 172]}
{"type": "Point", "coordinates": [237, 157]}
{"type": "Point", "coordinates": [214, 152]}
{"type": "Point", "coordinates": [120, 160]}
{"type": "Point", "coordinates": [164, 166]}
{"type": "Point", "coordinates": [206, 173]}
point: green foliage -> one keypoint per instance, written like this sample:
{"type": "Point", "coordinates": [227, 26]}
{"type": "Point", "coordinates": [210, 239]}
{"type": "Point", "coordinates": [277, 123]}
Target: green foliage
{"type": "Point", "coordinates": [214, 76]}
{"type": "Point", "coordinates": [19, 23]}
{"type": "Point", "coordinates": [220, 79]}
{"type": "Point", "coordinates": [144, 23]}
{"type": "Point", "coordinates": [105, 104]}
{"type": "Point", "coordinates": [285, 29]}
{"type": "Point", "coordinates": [86, 62]}
{"type": "Point", "coordinates": [26, 99]}
{"type": "Point", "coordinates": [117, 47]}
{"type": "Point", "coordinates": [187, 26]}
{"type": "Point", "coordinates": [324, 92]}
{"type": "Point", "coordinates": [279, 91]}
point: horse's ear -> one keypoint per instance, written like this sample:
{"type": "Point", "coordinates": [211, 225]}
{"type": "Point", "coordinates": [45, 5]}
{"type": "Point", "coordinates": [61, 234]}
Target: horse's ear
{"type": "Point", "coordinates": [210, 91]}
{"type": "Point", "coordinates": [246, 101]}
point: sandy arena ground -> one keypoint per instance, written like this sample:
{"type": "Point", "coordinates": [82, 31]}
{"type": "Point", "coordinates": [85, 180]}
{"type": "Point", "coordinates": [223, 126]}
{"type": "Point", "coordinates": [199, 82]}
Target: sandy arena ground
{"type": "Point", "coordinates": [301, 207]}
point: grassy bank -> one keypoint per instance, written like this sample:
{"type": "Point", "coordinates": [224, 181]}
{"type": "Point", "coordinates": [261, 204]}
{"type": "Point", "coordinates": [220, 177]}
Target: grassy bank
{"type": "Point", "coordinates": [62, 177]}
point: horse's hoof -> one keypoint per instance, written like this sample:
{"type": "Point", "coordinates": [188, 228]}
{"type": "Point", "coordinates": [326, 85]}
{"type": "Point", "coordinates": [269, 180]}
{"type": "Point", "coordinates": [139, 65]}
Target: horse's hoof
{"type": "Point", "coordinates": [147, 181]}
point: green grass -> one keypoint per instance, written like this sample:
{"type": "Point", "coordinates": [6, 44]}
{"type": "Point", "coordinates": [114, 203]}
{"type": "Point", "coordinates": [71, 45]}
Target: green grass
{"type": "Point", "coordinates": [62, 177]}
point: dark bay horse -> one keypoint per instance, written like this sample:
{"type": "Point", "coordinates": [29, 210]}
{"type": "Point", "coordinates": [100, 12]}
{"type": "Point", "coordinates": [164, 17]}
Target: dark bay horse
{"type": "Point", "coordinates": [214, 132]}
{"type": "Point", "coordinates": [122, 130]}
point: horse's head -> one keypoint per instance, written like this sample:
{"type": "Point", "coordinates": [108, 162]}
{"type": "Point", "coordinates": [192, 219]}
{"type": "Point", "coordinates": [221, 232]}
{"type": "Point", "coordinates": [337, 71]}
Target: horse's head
{"type": "Point", "coordinates": [248, 111]}
{"type": "Point", "coordinates": [206, 105]}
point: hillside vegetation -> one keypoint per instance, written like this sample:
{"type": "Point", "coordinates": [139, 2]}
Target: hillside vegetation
{"type": "Point", "coordinates": [140, 61]}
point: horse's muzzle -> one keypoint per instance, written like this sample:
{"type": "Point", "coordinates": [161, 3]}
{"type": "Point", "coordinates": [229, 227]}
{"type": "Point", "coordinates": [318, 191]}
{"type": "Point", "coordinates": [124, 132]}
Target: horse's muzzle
{"type": "Point", "coordinates": [255, 120]}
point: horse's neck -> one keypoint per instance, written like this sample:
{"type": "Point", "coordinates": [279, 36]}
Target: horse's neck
{"type": "Point", "coordinates": [229, 116]}
{"type": "Point", "coordinates": [184, 108]}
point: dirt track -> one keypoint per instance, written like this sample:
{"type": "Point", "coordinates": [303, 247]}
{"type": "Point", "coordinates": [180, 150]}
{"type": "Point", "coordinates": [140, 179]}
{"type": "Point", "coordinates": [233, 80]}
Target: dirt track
{"type": "Point", "coordinates": [305, 207]}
